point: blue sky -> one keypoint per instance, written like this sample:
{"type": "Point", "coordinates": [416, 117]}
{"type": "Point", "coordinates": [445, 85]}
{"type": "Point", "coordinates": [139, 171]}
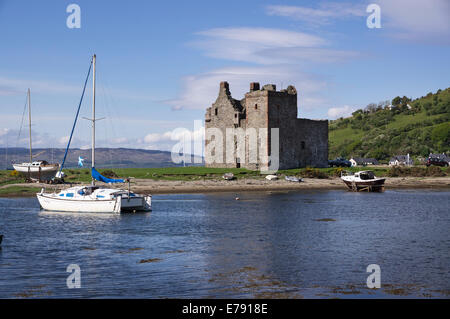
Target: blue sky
{"type": "Point", "coordinates": [160, 62]}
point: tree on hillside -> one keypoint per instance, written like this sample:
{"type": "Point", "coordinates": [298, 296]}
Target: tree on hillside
{"type": "Point", "coordinates": [359, 111]}
{"type": "Point", "coordinates": [371, 108]}
{"type": "Point", "coordinates": [396, 101]}
{"type": "Point", "coordinates": [440, 136]}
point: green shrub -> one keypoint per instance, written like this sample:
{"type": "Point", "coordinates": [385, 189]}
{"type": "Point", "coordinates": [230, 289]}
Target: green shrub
{"type": "Point", "coordinates": [14, 174]}
{"type": "Point", "coordinates": [313, 173]}
{"type": "Point", "coordinates": [109, 173]}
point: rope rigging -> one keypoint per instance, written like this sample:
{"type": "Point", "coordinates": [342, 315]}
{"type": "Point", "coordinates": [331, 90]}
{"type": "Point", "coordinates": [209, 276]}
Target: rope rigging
{"type": "Point", "coordinates": [21, 125]}
{"type": "Point", "coordinates": [76, 118]}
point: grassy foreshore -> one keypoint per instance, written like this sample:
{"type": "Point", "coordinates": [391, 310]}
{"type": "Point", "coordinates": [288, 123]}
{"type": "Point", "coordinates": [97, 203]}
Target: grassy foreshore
{"type": "Point", "coordinates": [202, 180]}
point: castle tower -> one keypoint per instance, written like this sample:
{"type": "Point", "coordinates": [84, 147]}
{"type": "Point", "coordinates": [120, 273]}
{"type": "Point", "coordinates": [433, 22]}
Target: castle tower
{"type": "Point", "coordinates": [300, 142]}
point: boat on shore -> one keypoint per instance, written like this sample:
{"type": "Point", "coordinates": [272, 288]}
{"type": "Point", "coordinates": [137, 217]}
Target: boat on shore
{"type": "Point", "coordinates": [271, 177]}
{"type": "Point", "coordinates": [228, 176]}
{"type": "Point", "coordinates": [93, 198]}
{"type": "Point", "coordinates": [363, 181]}
{"type": "Point", "coordinates": [293, 179]}
{"type": "Point", "coordinates": [35, 170]}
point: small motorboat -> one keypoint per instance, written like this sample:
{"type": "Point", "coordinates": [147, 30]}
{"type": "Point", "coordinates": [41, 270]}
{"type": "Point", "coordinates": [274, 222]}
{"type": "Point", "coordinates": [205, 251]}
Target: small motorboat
{"type": "Point", "coordinates": [363, 181]}
{"type": "Point", "coordinates": [293, 179]}
{"type": "Point", "coordinates": [228, 176]}
{"type": "Point", "coordinates": [271, 177]}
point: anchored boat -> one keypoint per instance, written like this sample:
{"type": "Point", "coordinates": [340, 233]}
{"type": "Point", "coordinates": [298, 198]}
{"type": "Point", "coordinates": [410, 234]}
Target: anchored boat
{"type": "Point", "coordinates": [92, 198]}
{"type": "Point", "coordinates": [363, 181]}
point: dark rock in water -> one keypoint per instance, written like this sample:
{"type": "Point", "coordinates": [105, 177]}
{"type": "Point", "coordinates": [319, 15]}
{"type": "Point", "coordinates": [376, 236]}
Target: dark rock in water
{"type": "Point", "coordinates": [1, 238]}
{"type": "Point", "coordinates": [325, 220]}
{"type": "Point", "coordinates": [151, 260]}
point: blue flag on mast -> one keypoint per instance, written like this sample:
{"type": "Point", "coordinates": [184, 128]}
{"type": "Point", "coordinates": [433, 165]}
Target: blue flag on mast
{"type": "Point", "coordinates": [80, 161]}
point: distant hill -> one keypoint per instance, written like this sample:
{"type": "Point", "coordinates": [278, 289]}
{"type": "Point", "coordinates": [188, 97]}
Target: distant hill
{"type": "Point", "coordinates": [104, 157]}
{"type": "Point", "coordinates": [400, 126]}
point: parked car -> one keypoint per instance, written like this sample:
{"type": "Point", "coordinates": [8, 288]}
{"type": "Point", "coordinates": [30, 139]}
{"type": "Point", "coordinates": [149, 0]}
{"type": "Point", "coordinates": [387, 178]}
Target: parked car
{"type": "Point", "coordinates": [436, 161]}
{"type": "Point", "coordinates": [339, 162]}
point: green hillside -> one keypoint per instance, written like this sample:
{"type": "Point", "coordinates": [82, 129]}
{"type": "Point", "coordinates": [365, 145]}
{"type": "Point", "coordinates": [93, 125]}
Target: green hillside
{"type": "Point", "coordinates": [417, 127]}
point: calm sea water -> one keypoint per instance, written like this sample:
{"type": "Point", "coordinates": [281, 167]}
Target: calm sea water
{"type": "Point", "coordinates": [273, 245]}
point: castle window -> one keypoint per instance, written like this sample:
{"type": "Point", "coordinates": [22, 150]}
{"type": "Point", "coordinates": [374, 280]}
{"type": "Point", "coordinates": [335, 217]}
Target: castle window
{"type": "Point", "coordinates": [256, 106]}
{"type": "Point", "coordinates": [215, 111]}
{"type": "Point", "coordinates": [303, 145]}
{"type": "Point", "coordinates": [235, 115]}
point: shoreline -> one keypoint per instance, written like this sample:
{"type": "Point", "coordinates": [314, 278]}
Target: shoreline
{"type": "Point", "coordinates": [149, 186]}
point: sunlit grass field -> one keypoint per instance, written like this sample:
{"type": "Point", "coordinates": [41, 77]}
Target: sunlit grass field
{"type": "Point", "coordinates": [194, 173]}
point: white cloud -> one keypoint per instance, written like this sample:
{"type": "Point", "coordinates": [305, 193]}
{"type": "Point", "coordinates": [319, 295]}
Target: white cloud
{"type": "Point", "coordinates": [303, 55]}
{"type": "Point", "coordinates": [9, 86]}
{"type": "Point", "coordinates": [120, 140]}
{"type": "Point", "coordinates": [268, 46]}
{"type": "Point", "coordinates": [279, 53]}
{"type": "Point", "coordinates": [175, 135]}
{"type": "Point", "coordinates": [201, 90]}
{"type": "Point", "coordinates": [337, 112]}
{"type": "Point", "coordinates": [167, 140]}
{"type": "Point", "coordinates": [325, 13]}
{"type": "Point", "coordinates": [158, 137]}
{"type": "Point", "coordinates": [63, 140]}
{"type": "Point", "coordinates": [424, 20]}
{"type": "Point", "coordinates": [14, 86]}
{"type": "Point", "coordinates": [417, 19]}
{"type": "Point", "coordinates": [4, 132]}
{"type": "Point", "coordinates": [279, 56]}
{"type": "Point", "coordinates": [265, 37]}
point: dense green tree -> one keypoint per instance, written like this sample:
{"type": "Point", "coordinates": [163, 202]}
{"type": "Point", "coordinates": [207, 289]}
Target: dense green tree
{"type": "Point", "coordinates": [396, 101]}
{"type": "Point", "coordinates": [440, 135]}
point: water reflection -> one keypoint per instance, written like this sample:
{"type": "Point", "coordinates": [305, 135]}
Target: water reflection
{"type": "Point", "coordinates": [267, 244]}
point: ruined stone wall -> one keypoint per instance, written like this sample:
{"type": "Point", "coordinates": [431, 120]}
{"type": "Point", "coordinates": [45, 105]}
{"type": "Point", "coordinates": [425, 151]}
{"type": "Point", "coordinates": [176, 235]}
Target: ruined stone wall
{"type": "Point", "coordinates": [302, 142]}
{"type": "Point", "coordinates": [311, 143]}
{"type": "Point", "coordinates": [224, 113]}
{"type": "Point", "coordinates": [283, 115]}
{"type": "Point", "coordinates": [256, 117]}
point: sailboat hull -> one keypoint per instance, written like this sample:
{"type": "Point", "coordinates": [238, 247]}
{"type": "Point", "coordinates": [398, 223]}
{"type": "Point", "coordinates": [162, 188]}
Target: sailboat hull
{"type": "Point", "coordinates": [51, 203]}
{"type": "Point", "coordinates": [86, 204]}
{"type": "Point", "coordinates": [44, 172]}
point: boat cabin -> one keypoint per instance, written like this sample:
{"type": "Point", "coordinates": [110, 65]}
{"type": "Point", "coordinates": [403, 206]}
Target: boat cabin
{"type": "Point", "coordinates": [365, 175]}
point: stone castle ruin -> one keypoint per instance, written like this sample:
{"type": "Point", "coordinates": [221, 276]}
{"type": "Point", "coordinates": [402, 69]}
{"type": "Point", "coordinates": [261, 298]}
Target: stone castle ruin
{"type": "Point", "coordinates": [281, 137]}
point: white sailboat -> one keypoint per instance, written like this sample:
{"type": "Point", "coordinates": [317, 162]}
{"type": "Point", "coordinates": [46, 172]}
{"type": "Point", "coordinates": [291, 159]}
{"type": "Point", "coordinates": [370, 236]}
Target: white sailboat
{"type": "Point", "coordinates": [35, 170]}
{"type": "Point", "coordinates": [92, 198]}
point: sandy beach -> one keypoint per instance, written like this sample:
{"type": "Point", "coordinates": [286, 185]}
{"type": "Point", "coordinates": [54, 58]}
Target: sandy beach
{"type": "Point", "coordinates": [166, 187]}
{"type": "Point", "coordinates": [150, 186]}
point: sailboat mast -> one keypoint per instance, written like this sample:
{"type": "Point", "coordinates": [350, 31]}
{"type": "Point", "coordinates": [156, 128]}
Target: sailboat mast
{"type": "Point", "coordinates": [93, 116]}
{"type": "Point", "coordinates": [29, 124]}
